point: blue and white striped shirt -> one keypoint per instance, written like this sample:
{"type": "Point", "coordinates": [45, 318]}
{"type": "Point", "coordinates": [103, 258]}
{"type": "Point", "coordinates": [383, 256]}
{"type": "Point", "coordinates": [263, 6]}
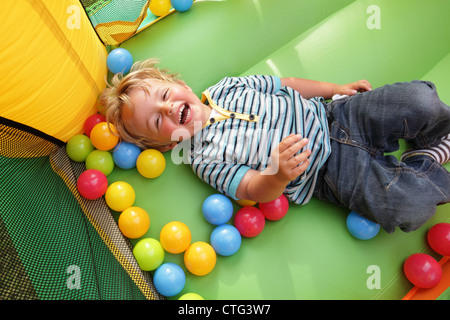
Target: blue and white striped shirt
{"type": "Point", "coordinates": [252, 115]}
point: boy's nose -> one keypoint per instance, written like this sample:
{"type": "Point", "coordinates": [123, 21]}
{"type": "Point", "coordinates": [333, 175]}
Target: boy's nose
{"type": "Point", "coordinates": [167, 108]}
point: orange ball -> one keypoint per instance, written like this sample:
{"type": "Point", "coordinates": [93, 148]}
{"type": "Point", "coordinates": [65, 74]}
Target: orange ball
{"type": "Point", "coordinates": [245, 203]}
{"type": "Point", "coordinates": [134, 222]}
{"type": "Point", "coordinates": [175, 237]}
{"type": "Point", "coordinates": [200, 258]}
{"type": "Point", "coordinates": [103, 136]}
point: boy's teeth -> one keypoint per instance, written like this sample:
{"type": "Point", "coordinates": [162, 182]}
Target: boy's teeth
{"type": "Point", "coordinates": [180, 118]}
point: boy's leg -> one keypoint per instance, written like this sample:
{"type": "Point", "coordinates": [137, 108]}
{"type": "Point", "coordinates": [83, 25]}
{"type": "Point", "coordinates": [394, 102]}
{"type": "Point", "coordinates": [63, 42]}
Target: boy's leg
{"type": "Point", "coordinates": [441, 152]}
{"type": "Point", "coordinates": [411, 111]}
{"type": "Point", "coordinates": [359, 176]}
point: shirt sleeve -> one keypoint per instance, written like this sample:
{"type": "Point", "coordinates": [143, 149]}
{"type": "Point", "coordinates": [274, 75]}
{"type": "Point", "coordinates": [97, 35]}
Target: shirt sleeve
{"type": "Point", "coordinates": [224, 177]}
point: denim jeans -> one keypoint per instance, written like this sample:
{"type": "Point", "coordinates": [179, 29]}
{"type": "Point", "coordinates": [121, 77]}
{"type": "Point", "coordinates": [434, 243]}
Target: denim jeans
{"type": "Point", "coordinates": [358, 174]}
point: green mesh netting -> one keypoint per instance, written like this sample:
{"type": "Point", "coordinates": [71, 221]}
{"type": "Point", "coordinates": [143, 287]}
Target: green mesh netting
{"type": "Point", "coordinates": [115, 20]}
{"type": "Point", "coordinates": [53, 243]}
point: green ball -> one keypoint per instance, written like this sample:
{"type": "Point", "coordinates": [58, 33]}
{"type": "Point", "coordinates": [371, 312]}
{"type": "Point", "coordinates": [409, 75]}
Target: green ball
{"type": "Point", "coordinates": [79, 147]}
{"type": "Point", "coordinates": [149, 254]}
{"type": "Point", "coordinates": [100, 160]}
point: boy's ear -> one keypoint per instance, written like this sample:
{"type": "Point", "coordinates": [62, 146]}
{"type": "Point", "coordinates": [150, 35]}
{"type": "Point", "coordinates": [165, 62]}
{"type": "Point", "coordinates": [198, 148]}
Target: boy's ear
{"type": "Point", "coordinates": [167, 147]}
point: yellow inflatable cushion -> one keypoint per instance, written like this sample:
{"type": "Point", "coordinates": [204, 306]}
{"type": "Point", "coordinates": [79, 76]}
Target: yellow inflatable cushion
{"type": "Point", "coordinates": [53, 65]}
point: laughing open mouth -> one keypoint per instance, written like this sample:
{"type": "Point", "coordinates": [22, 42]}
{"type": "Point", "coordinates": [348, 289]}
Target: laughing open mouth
{"type": "Point", "coordinates": [185, 112]}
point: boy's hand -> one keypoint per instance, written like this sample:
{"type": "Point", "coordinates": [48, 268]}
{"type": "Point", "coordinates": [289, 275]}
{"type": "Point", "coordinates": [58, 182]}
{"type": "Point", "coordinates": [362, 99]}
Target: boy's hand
{"type": "Point", "coordinates": [352, 88]}
{"type": "Point", "coordinates": [286, 163]}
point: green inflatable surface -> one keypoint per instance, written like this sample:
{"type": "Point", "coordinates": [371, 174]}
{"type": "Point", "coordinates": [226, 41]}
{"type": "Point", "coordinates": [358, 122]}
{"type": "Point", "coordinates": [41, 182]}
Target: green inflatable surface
{"type": "Point", "coordinates": [309, 254]}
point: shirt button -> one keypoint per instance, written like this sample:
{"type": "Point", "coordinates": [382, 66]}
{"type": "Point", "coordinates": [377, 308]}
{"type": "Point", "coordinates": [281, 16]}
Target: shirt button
{"type": "Point", "coordinates": [212, 120]}
{"type": "Point", "coordinates": [251, 117]}
{"type": "Point", "coordinates": [232, 115]}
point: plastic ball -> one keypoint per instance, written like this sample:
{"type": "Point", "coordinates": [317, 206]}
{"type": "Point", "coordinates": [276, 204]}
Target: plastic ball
{"type": "Point", "coordinates": [119, 60]}
{"type": "Point", "coordinates": [79, 147]}
{"type": "Point", "coordinates": [360, 227]}
{"type": "Point", "coordinates": [175, 237]}
{"type": "Point", "coordinates": [181, 5]}
{"type": "Point", "coordinates": [191, 296]}
{"type": "Point", "coordinates": [125, 155]}
{"type": "Point", "coordinates": [120, 195]}
{"type": "Point", "coordinates": [422, 270]}
{"type": "Point", "coordinates": [275, 209]}
{"type": "Point", "coordinates": [169, 279]}
{"type": "Point", "coordinates": [200, 258]}
{"type": "Point", "coordinates": [159, 7]}
{"type": "Point", "coordinates": [92, 184]}
{"type": "Point", "coordinates": [103, 136]}
{"type": "Point", "coordinates": [151, 163]}
{"type": "Point", "coordinates": [249, 221]}
{"type": "Point", "coordinates": [439, 238]}
{"type": "Point", "coordinates": [226, 240]}
{"type": "Point", "coordinates": [149, 254]}
{"type": "Point", "coordinates": [91, 121]}
{"type": "Point", "coordinates": [134, 222]}
{"type": "Point", "coordinates": [217, 209]}
{"type": "Point", "coordinates": [100, 160]}
{"type": "Point", "coordinates": [245, 203]}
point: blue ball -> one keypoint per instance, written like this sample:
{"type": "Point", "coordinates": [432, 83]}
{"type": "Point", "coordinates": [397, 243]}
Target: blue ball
{"type": "Point", "coordinates": [225, 239]}
{"type": "Point", "coordinates": [125, 155]}
{"type": "Point", "coordinates": [217, 209]}
{"type": "Point", "coordinates": [360, 227]}
{"type": "Point", "coordinates": [181, 5]}
{"type": "Point", "coordinates": [169, 279]}
{"type": "Point", "coordinates": [119, 60]}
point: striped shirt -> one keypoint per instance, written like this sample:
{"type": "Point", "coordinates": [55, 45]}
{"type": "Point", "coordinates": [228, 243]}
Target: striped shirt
{"type": "Point", "coordinates": [251, 115]}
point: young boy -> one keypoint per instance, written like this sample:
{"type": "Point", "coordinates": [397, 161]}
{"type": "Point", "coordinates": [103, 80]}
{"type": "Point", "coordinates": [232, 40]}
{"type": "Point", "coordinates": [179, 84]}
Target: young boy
{"type": "Point", "coordinates": [257, 137]}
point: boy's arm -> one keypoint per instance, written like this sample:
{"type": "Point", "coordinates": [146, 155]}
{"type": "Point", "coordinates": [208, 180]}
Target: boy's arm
{"type": "Point", "coordinates": [269, 184]}
{"type": "Point", "coordinates": [311, 88]}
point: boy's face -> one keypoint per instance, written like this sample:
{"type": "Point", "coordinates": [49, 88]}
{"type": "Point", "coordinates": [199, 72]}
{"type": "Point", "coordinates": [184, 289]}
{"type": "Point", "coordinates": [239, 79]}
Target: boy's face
{"type": "Point", "coordinates": [167, 107]}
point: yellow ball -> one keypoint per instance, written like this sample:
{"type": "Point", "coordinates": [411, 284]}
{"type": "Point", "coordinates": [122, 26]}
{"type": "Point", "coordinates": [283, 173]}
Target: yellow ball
{"type": "Point", "coordinates": [191, 296]}
{"type": "Point", "coordinates": [120, 195]}
{"type": "Point", "coordinates": [175, 237]}
{"type": "Point", "coordinates": [151, 163]}
{"type": "Point", "coordinates": [200, 258]}
{"type": "Point", "coordinates": [134, 222]}
{"type": "Point", "coordinates": [159, 7]}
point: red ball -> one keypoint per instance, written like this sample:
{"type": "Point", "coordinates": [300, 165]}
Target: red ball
{"type": "Point", "coordinates": [422, 270]}
{"type": "Point", "coordinates": [275, 209]}
{"type": "Point", "coordinates": [439, 238]}
{"type": "Point", "coordinates": [249, 221]}
{"type": "Point", "coordinates": [91, 121]}
{"type": "Point", "coordinates": [92, 184]}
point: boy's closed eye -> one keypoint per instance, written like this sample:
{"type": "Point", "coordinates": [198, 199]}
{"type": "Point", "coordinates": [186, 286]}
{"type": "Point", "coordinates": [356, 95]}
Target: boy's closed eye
{"type": "Point", "coordinates": [165, 94]}
{"type": "Point", "coordinates": [158, 122]}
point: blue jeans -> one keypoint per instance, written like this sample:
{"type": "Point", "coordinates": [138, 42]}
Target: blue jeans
{"type": "Point", "coordinates": [358, 174]}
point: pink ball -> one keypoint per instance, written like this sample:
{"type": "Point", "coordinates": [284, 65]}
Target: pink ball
{"type": "Point", "coordinates": [92, 184]}
{"type": "Point", "coordinates": [439, 238]}
{"type": "Point", "coordinates": [422, 270]}
{"type": "Point", "coordinates": [91, 121]}
{"type": "Point", "coordinates": [275, 209]}
{"type": "Point", "coordinates": [249, 221]}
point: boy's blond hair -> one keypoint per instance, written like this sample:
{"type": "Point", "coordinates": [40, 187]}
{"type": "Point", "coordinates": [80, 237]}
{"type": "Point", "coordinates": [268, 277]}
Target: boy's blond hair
{"type": "Point", "coordinates": [116, 96]}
